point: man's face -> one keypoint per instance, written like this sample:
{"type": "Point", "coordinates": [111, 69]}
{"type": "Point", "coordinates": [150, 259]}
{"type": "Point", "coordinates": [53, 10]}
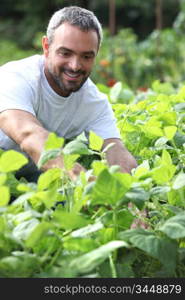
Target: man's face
{"type": "Point", "coordinates": [70, 57]}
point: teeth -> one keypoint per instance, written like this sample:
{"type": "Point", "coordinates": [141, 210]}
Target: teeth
{"type": "Point", "coordinates": [72, 74]}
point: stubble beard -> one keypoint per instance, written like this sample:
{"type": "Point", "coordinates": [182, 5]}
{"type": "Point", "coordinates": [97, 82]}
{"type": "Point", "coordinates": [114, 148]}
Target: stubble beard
{"type": "Point", "coordinates": [70, 87]}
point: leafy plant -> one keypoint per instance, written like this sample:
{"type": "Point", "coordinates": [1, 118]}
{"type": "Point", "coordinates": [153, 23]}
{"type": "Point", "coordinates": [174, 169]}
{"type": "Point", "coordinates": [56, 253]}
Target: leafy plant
{"type": "Point", "coordinates": [120, 225]}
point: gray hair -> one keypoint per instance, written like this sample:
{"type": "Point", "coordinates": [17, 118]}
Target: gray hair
{"type": "Point", "coordinates": [77, 16]}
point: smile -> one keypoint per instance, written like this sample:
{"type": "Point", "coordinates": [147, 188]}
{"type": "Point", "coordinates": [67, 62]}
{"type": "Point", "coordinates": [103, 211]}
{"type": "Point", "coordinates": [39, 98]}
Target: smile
{"type": "Point", "coordinates": [72, 75]}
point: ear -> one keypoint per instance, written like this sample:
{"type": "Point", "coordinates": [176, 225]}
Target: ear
{"type": "Point", "coordinates": [45, 45]}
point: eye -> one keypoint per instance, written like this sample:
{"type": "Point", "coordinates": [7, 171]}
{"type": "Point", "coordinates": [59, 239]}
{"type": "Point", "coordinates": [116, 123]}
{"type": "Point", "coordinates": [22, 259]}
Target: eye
{"type": "Point", "coordinates": [88, 56]}
{"type": "Point", "coordinates": [65, 54]}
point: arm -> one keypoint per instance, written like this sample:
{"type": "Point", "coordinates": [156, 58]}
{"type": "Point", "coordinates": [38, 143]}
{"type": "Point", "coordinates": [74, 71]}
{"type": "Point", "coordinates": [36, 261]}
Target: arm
{"type": "Point", "coordinates": [119, 155]}
{"type": "Point", "coordinates": [30, 135]}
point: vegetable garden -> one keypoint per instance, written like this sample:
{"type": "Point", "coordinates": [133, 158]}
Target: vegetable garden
{"type": "Point", "coordinates": [119, 225]}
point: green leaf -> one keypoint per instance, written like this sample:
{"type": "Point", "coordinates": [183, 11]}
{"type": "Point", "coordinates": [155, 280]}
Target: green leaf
{"type": "Point", "coordinates": [92, 259]}
{"type": "Point", "coordinates": [152, 131]}
{"type": "Point", "coordinates": [165, 88]}
{"type": "Point", "coordinates": [21, 264]}
{"type": "Point", "coordinates": [49, 197]}
{"type": "Point", "coordinates": [164, 249]}
{"type": "Point", "coordinates": [170, 131]}
{"type": "Point", "coordinates": [179, 107]}
{"type": "Point", "coordinates": [4, 195]}
{"type": "Point", "coordinates": [48, 177]}
{"type": "Point", "coordinates": [87, 230]}
{"type": "Point", "coordinates": [169, 118]}
{"type": "Point", "coordinates": [76, 147]}
{"type": "Point", "coordinates": [174, 198]}
{"type": "Point", "coordinates": [179, 181]}
{"type": "Point", "coordinates": [124, 179]}
{"type": "Point", "coordinates": [67, 220]}
{"type": "Point", "coordinates": [124, 219]}
{"type": "Point", "coordinates": [47, 155]}
{"type": "Point", "coordinates": [161, 142]}
{"type": "Point", "coordinates": [165, 170]}
{"type": "Point", "coordinates": [95, 141]}
{"type": "Point", "coordinates": [179, 139]}
{"type": "Point", "coordinates": [79, 244]}
{"type": "Point", "coordinates": [37, 234]}
{"type": "Point", "coordinates": [12, 160]}
{"type": "Point", "coordinates": [174, 227]}
{"type": "Point", "coordinates": [53, 142]}
{"type": "Point", "coordinates": [163, 173]}
{"type": "Point", "coordinates": [3, 178]}
{"type": "Point", "coordinates": [69, 160]}
{"type": "Point", "coordinates": [23, 230]}
{"type": "Point", "coordinates": [138, 196]}
{"type": "Point", "coordinates": [107, 189]}
{"type": "Point", "coordinates": [166, 158]}
{"type": "Point", "coordinates": [98, 167]}
{"type": "Point", "coordinates": [115, 92]}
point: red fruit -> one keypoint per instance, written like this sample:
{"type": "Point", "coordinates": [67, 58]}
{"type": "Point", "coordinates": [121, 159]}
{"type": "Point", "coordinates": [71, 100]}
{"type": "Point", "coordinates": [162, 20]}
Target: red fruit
{"type": "Point", "coordinates": [111, 82]}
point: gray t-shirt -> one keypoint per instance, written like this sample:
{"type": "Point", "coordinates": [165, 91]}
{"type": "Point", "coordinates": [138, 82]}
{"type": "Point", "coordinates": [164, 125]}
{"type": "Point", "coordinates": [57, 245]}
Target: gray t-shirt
{"type": "Point", "coordinates": [25, 87]}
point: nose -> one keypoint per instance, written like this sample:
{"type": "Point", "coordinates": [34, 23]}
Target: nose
{"type": "Point", "coordinates": [75, 64]}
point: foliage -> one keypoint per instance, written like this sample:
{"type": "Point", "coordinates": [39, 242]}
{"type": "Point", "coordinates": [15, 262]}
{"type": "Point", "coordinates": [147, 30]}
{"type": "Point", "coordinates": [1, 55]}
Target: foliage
{"type": "Point", "coordinates": [10, 51]}
{"type": "Point", "coordinates": [139, 63]}
{"type": "Point", "coordinates": [21, 19]}
{"type": "Point", "coordinates": [120, 225]}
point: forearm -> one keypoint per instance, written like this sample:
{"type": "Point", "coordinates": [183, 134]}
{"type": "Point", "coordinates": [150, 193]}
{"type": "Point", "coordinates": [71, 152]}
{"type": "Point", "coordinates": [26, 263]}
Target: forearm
{"type": "Point", "coordinates": [30, 135]}
{"type": "Point", "coordinates": [33, 144]}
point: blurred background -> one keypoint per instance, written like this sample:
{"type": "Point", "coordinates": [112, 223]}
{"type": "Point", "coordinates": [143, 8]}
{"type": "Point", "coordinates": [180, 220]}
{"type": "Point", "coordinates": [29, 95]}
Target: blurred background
{"type": "Point", "coordinates": [144, 40]}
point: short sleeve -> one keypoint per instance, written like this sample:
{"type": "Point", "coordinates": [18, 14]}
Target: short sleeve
{"type": "Point", "coordinates": [104, 124]}
{"type": "Point", "coordinates": [15, 93]}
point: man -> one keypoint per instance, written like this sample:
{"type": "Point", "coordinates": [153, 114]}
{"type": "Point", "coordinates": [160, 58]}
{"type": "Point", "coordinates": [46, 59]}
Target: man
{"type": "Point", "coordinates": [53, 93]}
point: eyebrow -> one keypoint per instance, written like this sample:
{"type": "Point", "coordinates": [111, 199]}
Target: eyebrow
{"type": "Point", "coordinates": [69, 50]}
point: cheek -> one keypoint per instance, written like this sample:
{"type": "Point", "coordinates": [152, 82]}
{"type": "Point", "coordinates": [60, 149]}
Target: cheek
{"type": "Point", "coordinates": [89, 65]}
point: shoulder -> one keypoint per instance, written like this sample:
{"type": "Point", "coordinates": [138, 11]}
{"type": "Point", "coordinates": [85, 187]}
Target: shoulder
{"type": "Point", "coordinates": [27, 68]}
{"type": "Point", "coordinates": [23, 74]}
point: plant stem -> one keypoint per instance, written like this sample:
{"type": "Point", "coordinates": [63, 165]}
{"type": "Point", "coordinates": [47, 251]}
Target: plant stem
{"type": "Point", "coordinates": [112, 266]}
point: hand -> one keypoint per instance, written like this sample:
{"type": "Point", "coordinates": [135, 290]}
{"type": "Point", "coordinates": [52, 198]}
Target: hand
{"type": "Point", "coordinates": [75, 171]}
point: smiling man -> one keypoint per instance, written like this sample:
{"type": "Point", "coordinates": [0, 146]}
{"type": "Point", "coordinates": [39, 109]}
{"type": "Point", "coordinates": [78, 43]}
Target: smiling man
{"type": "Point", "coordinates": [53, 93]}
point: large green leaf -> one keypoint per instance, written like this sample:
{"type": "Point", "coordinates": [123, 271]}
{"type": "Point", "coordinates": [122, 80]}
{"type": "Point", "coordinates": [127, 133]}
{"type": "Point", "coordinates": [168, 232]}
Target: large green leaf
{"type": "Point", "coordinates": [69, 220]}
{"type": "Point", "coordinates": [53, 142]}
{"type": "Point", "coordinates": [162, 248]}
{"type": "Point", "coordinates": [92, 259]}
{"type": "Point", "coordinates": [12, 161]}
{"type": "Point", "coordinates": [174, 227]}
{"type": "Point", "coordinates": [107, 189]}
{"type": "Point", "coordinates": [48, 177]}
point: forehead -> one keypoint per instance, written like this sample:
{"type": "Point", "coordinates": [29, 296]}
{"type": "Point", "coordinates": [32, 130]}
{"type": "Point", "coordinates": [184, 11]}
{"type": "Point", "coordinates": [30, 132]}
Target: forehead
{"type": "Point", "coordinates": [72, 37]}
